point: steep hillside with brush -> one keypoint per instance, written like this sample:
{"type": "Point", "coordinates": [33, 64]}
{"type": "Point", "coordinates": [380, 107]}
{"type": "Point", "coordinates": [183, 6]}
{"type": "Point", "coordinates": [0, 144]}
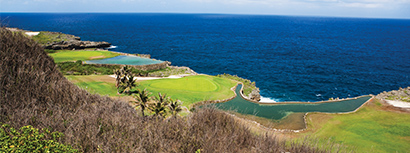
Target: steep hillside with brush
{"type": "Point", "coordinates": [33, 92]}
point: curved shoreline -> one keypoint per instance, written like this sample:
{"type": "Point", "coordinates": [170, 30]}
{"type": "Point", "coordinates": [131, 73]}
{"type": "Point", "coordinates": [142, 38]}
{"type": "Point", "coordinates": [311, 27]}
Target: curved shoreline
{"type": "Point", "coordinates": [305, 116]}
{"type": "Point", "coordinates": [294, 102]}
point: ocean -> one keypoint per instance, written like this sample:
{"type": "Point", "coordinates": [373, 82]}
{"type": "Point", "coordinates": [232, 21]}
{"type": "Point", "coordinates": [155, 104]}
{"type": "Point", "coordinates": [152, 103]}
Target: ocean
{"type": "Point", "coordinates": [290, 58]}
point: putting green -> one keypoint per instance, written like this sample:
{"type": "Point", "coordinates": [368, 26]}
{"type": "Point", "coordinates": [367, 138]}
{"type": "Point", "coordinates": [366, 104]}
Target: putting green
{"type": "Point", "coordinates": [191, 89]}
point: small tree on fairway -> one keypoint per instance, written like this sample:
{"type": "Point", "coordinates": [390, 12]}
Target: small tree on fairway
{"type": "Point", "coordinates": [158, 107]}
{"type": "Point", "coordinates": [174, 107]}
{"type": "Point", "coordinates": [124, 79]}
{"type": "Point", "coordinates": [142, 98]}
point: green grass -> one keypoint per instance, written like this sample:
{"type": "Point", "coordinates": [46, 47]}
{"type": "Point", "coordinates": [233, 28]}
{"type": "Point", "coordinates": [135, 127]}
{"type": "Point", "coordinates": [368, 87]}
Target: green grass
{"type": "Point", "coordinates": [47, 37]}
{"type": "Point", "coordinates": [95, 84]}
{"type": "Point", "coordinates": [189, 89]}
{"type": "Point", "coordinates": [249, 86]}
{"type": "Point", "coordinates": [192, 89]}
{"type": "Point", "coordinates": [370, 129]}
{"type": "Point", "coordinates": [66, 56]}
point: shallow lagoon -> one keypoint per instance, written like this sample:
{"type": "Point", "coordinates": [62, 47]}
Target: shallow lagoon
{"type": "Point", "coordinates": [281, 110]}
{"type": "Point", "coordinates": [125, 60]}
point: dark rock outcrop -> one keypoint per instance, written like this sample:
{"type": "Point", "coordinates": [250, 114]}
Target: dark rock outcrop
{"type": "Point", "coordinates": [76, 43]}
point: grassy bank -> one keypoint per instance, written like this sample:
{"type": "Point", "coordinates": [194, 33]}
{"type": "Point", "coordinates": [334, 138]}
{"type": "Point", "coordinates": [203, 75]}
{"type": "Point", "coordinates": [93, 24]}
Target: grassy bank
{"type": "Point", "coordinates": [101, 84]}
{"type": "Point", "coordinates": [373, 128]}
{"type": "Point", "coordinates": [65, 56]}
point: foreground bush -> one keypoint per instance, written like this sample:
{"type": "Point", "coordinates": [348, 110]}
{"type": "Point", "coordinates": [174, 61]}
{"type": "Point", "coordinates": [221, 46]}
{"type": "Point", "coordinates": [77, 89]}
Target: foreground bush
{"type": "Point", "coordinates": [33, 92]}
{"type": "Point", "coordinates": [29, 139]}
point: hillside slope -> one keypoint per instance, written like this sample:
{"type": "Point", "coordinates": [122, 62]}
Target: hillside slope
{"type": "Point", "coordinates": [34, 92]}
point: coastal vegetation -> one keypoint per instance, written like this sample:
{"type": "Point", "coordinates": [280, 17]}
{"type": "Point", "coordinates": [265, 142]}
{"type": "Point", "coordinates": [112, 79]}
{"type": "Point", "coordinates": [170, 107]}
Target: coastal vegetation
{"type": "Point", "coordinates": [249, 86]}
{"type": "Point", "coordinates": [78, 68]}
{"type": "Point", "coordinates": [45, 37]}
{"type": "Point", "coordinates": [29, 139]}
{"type": "Point", "coordinates": [34, 93]}
{"type": "Point", "coordinates": [403, 94]}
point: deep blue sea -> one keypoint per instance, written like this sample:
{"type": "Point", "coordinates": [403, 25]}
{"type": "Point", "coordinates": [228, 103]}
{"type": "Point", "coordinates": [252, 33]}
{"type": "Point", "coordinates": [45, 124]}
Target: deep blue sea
{"type": "Point", "coordinates": [290, 58]}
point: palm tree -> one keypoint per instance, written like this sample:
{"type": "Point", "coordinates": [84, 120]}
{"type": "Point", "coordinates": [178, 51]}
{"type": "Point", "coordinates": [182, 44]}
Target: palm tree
{"type": "Point", "coordinates": [117, 74]}
{"type": "Point", "coordinates": [126, 70]}
{"type": "Point", "coordinates": [174, 107]}
{"type": "Point", "coordinates": [130, 83]}
{"type": "Point", "coordinates": [158, 107]}
{"type": "Point", "coordinates": [124, 79]}
{"type": "Point", "coordinates": [142, 98]}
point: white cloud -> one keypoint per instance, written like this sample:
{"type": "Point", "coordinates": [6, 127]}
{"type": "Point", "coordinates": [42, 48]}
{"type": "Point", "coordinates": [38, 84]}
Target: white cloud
{"type": "Point", "coordinates": [362, 5]}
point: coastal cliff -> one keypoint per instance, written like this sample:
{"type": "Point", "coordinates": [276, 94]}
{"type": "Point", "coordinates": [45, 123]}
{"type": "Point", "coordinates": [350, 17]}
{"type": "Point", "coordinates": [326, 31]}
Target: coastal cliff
{"type": "Point", "coordinates": [250, 91]}
{"type": "Point", "coordinates": [60, 41]}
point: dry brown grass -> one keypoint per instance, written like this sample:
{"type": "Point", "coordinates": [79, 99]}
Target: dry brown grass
{"type": "Point", "coordinates": [34, 92]}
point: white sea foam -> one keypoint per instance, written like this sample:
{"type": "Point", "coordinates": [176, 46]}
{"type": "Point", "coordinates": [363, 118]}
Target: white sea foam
{"type": "Point", "coordinates": [112, 47]}
{"type": "Point", "coordinates": [267, 100]}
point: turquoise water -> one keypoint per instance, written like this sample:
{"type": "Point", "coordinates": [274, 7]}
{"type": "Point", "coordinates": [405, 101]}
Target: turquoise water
{"type": "Point", "coordinates": [278, 111]}
{"type": "Point", "coordinates": [128, 60]}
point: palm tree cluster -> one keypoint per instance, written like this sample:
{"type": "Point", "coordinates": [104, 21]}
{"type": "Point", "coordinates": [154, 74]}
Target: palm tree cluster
{"type": "Point", "coordinates": [124, 79]}
{"type": "Point", "coordinates": [157, 104]}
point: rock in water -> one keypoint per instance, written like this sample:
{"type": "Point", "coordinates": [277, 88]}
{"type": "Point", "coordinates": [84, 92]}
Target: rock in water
{"type": "Point", "coordinates": [255, 95]}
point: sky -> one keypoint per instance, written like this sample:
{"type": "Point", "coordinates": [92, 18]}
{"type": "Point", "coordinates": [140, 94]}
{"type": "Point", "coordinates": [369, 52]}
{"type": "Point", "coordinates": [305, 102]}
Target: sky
{"type": "Point", "coordinates": [334, 8]}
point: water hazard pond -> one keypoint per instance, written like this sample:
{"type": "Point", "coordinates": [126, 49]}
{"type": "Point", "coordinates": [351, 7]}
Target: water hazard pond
{"type": "Point", "coordinates": [125, 60]}
{"type": "Point", "coordinates": [281, 110]}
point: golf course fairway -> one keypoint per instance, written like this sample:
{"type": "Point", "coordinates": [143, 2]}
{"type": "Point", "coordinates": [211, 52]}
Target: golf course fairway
{"type": "Point", "coordinates": [66, 56]}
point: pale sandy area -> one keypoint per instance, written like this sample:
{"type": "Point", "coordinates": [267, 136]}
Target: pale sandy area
{"type": "Point", "coordinates": [32, 33]}
{"type": "Point", "coordinates": [397, 103]}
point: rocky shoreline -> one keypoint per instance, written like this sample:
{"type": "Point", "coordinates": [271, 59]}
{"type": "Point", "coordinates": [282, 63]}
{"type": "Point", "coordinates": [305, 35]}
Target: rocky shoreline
{"type": "Point", "coordinates": [403, 94]}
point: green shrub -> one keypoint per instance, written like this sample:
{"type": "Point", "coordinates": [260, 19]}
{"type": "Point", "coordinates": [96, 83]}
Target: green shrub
{"type": "Point", "coordinates": [248, 84]}
{"type": "Point", "coordinates": [29, 139]}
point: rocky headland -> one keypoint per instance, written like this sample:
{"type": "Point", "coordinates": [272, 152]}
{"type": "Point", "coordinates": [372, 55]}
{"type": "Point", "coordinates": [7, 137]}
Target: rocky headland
{"type": "Point", "coordinates": [403, 94]}
{"type": "Point", "coordinates": [397, 98]}
{"type": "Point", "coordinates": [61, 41]}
